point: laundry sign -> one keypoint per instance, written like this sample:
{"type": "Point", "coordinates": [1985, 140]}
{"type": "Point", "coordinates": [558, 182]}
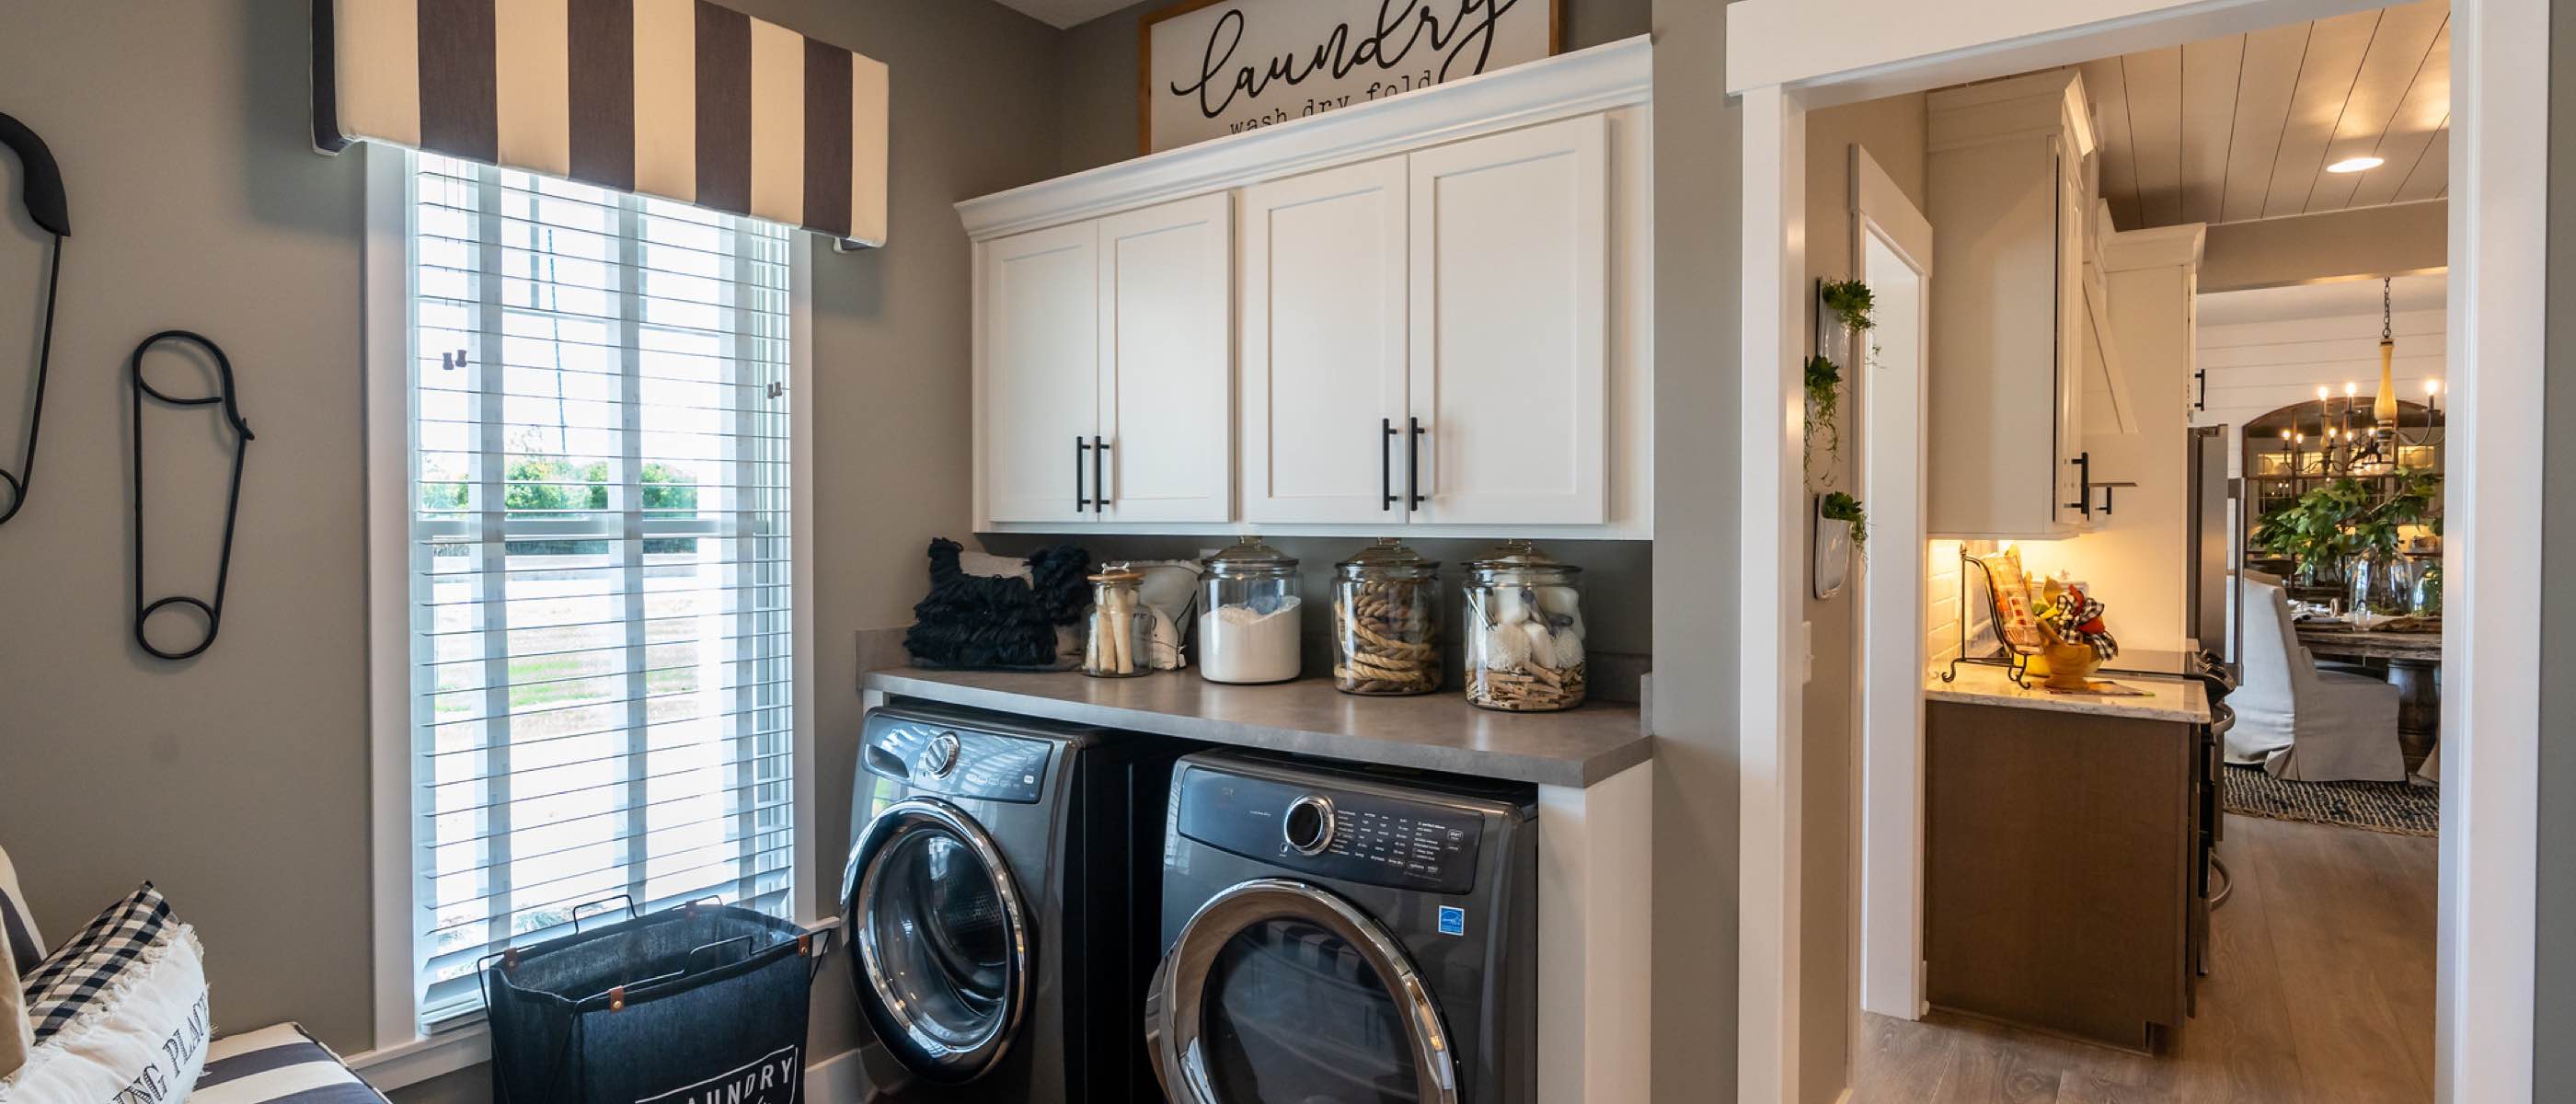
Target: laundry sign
{"type": "Point", "coordinates": [1219, 67]}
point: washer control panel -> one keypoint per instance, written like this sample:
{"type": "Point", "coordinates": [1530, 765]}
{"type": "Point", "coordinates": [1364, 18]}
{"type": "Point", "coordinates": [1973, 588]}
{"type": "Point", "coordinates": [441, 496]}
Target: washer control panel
{"type": "Point", "coordinates": [1331, 833]}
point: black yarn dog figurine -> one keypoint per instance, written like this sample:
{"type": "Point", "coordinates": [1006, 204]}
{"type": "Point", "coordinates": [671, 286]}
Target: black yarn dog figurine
{"type": "Point", "coordinates": [987, 621]}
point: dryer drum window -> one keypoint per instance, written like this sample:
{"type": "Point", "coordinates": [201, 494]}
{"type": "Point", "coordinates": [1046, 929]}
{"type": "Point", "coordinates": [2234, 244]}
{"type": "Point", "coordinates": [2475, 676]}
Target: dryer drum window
{"type": "Point", "coordinates": [1294, 1012]}
{"type": "Point", "coordinates": [1278, 990]}
{"type": "Point", "coordinates": [942, 941]}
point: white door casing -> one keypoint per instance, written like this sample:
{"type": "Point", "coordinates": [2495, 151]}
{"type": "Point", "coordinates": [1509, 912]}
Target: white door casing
{"type": "Point", "coordinates": [1892, 253]}
{"type": "Point", "coordinates": [1510, 346]}
{"type": "Point", "coordinates": [1323, 351]}
{"type": "Point", "coordinates": [1166, 362]}
{"type": "Point", "coordinates": [1041, 368]}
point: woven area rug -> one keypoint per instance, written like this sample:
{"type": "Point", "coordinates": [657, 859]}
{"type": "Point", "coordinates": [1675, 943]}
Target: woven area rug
{"type": "Point", "coordinates": [2398, 808]}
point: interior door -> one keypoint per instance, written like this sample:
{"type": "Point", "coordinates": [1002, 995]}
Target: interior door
{"type": "Point", "coordinates": [1282, 991]}
{"type": "Point", "coordinates": [1040, 388]}
{"type": "Point", "coordinates": [940, 939]}
{"type": "Point", "coordinates": [1323, 370]}
{"type": "Point", "coordinates": [1166, 363]}
{"type": "Point", "coordinates": [1510, 345]}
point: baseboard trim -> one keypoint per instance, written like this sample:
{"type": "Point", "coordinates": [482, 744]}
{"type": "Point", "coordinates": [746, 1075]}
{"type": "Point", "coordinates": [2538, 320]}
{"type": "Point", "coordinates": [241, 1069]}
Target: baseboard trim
{"type": "Point", "coordinates": [835, 1080]}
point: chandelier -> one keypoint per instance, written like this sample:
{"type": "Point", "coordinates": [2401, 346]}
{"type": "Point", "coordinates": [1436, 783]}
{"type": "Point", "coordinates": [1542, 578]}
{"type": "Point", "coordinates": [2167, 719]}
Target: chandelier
{"type": "Point", "coordinates": [2379, 444]}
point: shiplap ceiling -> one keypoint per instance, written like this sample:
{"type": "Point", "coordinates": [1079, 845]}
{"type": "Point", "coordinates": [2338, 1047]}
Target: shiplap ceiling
{"type": "Point", "coordinates": [1066, 13]}
{"type": "Point", "coordinates": [2242, 127]}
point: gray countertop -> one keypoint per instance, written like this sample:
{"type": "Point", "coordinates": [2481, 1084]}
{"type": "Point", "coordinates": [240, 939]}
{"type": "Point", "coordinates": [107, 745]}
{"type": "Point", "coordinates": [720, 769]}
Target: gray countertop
{"type": "Point", "coordinates": [1438, 732]}
{"type": "Point", "coordinates": [2163, 699]}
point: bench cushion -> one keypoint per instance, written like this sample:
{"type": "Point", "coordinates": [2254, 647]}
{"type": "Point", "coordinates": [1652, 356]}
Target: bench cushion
{"type": "Point", "coordinates": [278, 1065]}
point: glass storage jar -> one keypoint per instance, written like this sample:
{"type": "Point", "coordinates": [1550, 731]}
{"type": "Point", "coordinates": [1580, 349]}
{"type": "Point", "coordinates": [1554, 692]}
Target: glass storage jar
{"type": "Point", "coordinates": [1524, 631]}
{"type": "Point", "coordinates": [1386, 621]}
{"type": "Point", "coordinates": [1248, 632]}
{"type": "Point", "coordinates": [1120, 637]}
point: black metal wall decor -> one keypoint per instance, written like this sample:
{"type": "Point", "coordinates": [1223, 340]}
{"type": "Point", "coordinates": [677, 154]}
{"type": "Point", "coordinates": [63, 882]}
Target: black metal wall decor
{"type": "Point", "coordinates": [229, 396]}
{"type": "Point", "coordinates": [43, 195]}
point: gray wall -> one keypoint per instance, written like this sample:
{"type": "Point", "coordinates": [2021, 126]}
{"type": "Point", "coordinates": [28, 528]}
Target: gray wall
{"type": "Point", "coordinates": [1893, 131]}
{"type": "Point", "coordinates": [1096, 106]}
{"type": "Point", "coordinates": [1698, 175]}
{"type": "Point", "coordinates": [238, 780]}
{"type": "Point", "coordinates": [2554, 1072]}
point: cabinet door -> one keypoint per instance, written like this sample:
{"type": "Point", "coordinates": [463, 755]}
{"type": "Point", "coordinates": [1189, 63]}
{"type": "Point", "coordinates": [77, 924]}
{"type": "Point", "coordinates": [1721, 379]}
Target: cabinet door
{"type": "Point", "coordinates": [1166, 362]}
{"type": "Point", "coordinates": [1039, 389]}
{"type": "Point", "coordinates": [1324, 316]}
{"type": "Point", "coordinates": [1510, 238]}
{"type": "Point", "coordinates": [2073, 213]}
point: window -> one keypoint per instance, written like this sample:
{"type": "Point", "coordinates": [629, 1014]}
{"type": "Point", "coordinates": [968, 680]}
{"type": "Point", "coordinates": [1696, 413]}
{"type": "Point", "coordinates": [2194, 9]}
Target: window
{"type": "Point", "coordinates": [601, 602]}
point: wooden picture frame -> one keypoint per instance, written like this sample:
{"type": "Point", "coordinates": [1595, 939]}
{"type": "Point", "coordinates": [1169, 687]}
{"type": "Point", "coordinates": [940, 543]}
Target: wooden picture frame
{"type": "Point", "coordinates": [1145, 56]}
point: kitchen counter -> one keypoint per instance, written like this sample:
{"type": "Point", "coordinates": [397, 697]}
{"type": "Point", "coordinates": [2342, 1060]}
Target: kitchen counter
{"type": "Point", "coordinates": [2167, 699]}
{"type": "Point", "coordinates": [1439, 732]}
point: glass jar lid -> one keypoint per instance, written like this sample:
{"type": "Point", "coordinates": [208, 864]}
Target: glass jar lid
{"type": "Point", "coordinates": [1249, 558]}
{"type": "Point", "coordinates": [1520, 561]}
{"type": "Point", "coordinates": [1389, 556]}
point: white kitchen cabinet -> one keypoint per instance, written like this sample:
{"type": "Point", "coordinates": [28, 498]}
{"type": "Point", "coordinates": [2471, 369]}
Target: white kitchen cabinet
{"type": "Point", "coordinates": [1039, 373]}
{"type": "Point", "coordinates": [1324, 344]}
{"type": "Point", "coordinates": [1435, 314]}
{"type": "Point", "coordinates": [1508, 381]}
{"type": "Point", "coordinates": [1166, 364]}
{"type": "Point", "coordinates": [1106, 368]}
{"type": "Point", "coordinates": [2012, 177]}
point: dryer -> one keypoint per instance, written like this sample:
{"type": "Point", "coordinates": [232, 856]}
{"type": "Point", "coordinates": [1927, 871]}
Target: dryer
{"type": "Point", "coordinates": [1340, 935]}
{"type": "Point", "coordinates": [1000, 899]}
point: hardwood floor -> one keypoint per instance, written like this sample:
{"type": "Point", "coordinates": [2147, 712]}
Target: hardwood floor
{"type": "Point", "coordinates": [2320, 992]}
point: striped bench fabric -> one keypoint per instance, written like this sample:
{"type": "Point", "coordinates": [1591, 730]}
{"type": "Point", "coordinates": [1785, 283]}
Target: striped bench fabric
{"type": "Point", "coordinates": [278, 1065]}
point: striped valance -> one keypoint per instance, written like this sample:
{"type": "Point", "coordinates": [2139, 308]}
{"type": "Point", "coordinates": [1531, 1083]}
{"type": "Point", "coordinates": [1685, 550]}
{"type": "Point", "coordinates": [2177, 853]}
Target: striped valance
{"type": "Point", "coordinates": [683, 99]}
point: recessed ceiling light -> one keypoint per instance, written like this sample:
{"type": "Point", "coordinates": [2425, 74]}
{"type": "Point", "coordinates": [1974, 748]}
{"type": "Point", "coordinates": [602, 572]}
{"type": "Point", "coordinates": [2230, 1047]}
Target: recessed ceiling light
{"type": "Point", "coordinates": [2356, 164]}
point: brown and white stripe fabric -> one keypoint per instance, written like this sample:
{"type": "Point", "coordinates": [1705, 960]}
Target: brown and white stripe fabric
{"type": "Point", "coordinates": [683, 99]}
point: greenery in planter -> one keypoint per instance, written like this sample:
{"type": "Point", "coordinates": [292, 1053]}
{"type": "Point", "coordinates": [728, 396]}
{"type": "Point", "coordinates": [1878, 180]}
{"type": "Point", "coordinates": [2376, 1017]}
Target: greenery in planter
{"type": "Point", "coordinates": [1824, 404]}
{"type": "Point", "coordinates": [1839, 506]}
{"type": "Point", "coordinates": [2345, 518]}
{"type": "Point", "coordinates": [1850, 301]}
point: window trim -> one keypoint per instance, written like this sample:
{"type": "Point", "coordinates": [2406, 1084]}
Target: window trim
{"type": "Point", "coordinates": [404, 1054]}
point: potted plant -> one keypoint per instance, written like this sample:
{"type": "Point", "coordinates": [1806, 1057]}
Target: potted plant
{"type": "Point", "coordinates": [1842, 528]}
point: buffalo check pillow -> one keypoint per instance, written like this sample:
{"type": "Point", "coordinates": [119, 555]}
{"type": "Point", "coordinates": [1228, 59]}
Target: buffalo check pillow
{"type": "Point", "coordinates": [18, 938]}
{"type": "Point", "coordinates": [119, 1011]}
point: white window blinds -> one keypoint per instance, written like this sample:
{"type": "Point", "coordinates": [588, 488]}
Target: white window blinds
{"type": "Point", "coordinates": [601, 568]}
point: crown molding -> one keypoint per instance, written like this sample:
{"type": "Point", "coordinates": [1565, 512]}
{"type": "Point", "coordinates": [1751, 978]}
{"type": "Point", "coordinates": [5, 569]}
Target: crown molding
{"type": "Point", "coordinates": [1613, 75]}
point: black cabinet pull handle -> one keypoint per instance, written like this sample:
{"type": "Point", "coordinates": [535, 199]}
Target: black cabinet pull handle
{"type": "Point", "coordinates": [2084, 473]}
{"type": "Point", "coordinates": [1413, 464]}
{"type": "Point", "coordinates": [2202, 377]}
{"type": "Point", "coordinates": [1099, 481]}
{"type": "Point", "coordinates": [1080, 449]}
{"type": "Point", "coordinates": [1386, 465]}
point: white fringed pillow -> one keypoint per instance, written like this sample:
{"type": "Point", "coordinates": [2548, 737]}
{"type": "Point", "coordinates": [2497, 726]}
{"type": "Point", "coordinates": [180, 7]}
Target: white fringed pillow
{"type": "Point", "coordinates": [119, 1011]}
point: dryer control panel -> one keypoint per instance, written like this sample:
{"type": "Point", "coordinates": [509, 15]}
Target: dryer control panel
{"type": "Point", "coordinates": [1333, 833]}
{"type": "Point", "coordinates": [937, 758]}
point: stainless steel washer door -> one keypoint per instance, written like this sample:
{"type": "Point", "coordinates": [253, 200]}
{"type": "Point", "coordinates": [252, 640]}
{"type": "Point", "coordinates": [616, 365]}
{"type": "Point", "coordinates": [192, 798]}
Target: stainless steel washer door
{"type": "Point", "coordinates": [941, 938]}
{"type": "Point", "coordinates": [1282, 991]}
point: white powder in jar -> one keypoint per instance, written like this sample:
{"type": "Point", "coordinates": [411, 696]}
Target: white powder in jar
{"type": "Point", "coordinates": [1242, 644]}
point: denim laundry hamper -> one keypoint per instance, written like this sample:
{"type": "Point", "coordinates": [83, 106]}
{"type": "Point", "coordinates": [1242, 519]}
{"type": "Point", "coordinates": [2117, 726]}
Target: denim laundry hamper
{"type": "Point", "coordinates": [702, 1004]}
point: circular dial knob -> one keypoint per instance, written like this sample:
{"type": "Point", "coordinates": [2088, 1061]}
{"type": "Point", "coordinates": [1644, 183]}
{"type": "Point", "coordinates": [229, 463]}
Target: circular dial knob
{"type": "Point", "coordinates": [1308, 826]}
{"type": "Point", "coordinates": [938, 757]}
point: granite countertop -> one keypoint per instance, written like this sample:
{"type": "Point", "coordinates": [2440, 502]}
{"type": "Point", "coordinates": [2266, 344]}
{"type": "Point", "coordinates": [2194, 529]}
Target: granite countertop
{"type": "Point", "coordinates": [1438, 732]}
{"type": "Point", "coordinates": [2167, 699]}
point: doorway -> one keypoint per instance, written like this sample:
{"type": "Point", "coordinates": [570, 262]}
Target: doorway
{"type": "Point", "coordinates": [1787, 58]}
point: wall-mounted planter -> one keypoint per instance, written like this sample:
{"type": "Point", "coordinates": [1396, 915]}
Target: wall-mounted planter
{"type": "Point", "coordinates": [1833, 552]}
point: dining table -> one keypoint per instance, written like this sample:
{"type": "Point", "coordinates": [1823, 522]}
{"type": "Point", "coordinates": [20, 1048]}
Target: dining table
{"type": "Point", "coordinates": [2412, 652]}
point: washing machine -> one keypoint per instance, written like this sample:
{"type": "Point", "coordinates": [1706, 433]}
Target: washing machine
{"type": "Point", "coordinates": [1336, 935]}
{"type": "Point", "coordinates": [1000, 903]}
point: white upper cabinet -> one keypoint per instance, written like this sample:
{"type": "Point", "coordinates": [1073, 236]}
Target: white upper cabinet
{"type": "Point", "coordinates": [1324, 344]}
{"type": "Point", "coordinates": [1039, 378]}
{"type": "Point", "coordinates": [2012, 175]}
{"type": "Point", "coordinates": [1434, 311]}
{"type": "Point", "coordinates": [1166, 363]}
{"type": "Point", "coordinates": [1510, 280]}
